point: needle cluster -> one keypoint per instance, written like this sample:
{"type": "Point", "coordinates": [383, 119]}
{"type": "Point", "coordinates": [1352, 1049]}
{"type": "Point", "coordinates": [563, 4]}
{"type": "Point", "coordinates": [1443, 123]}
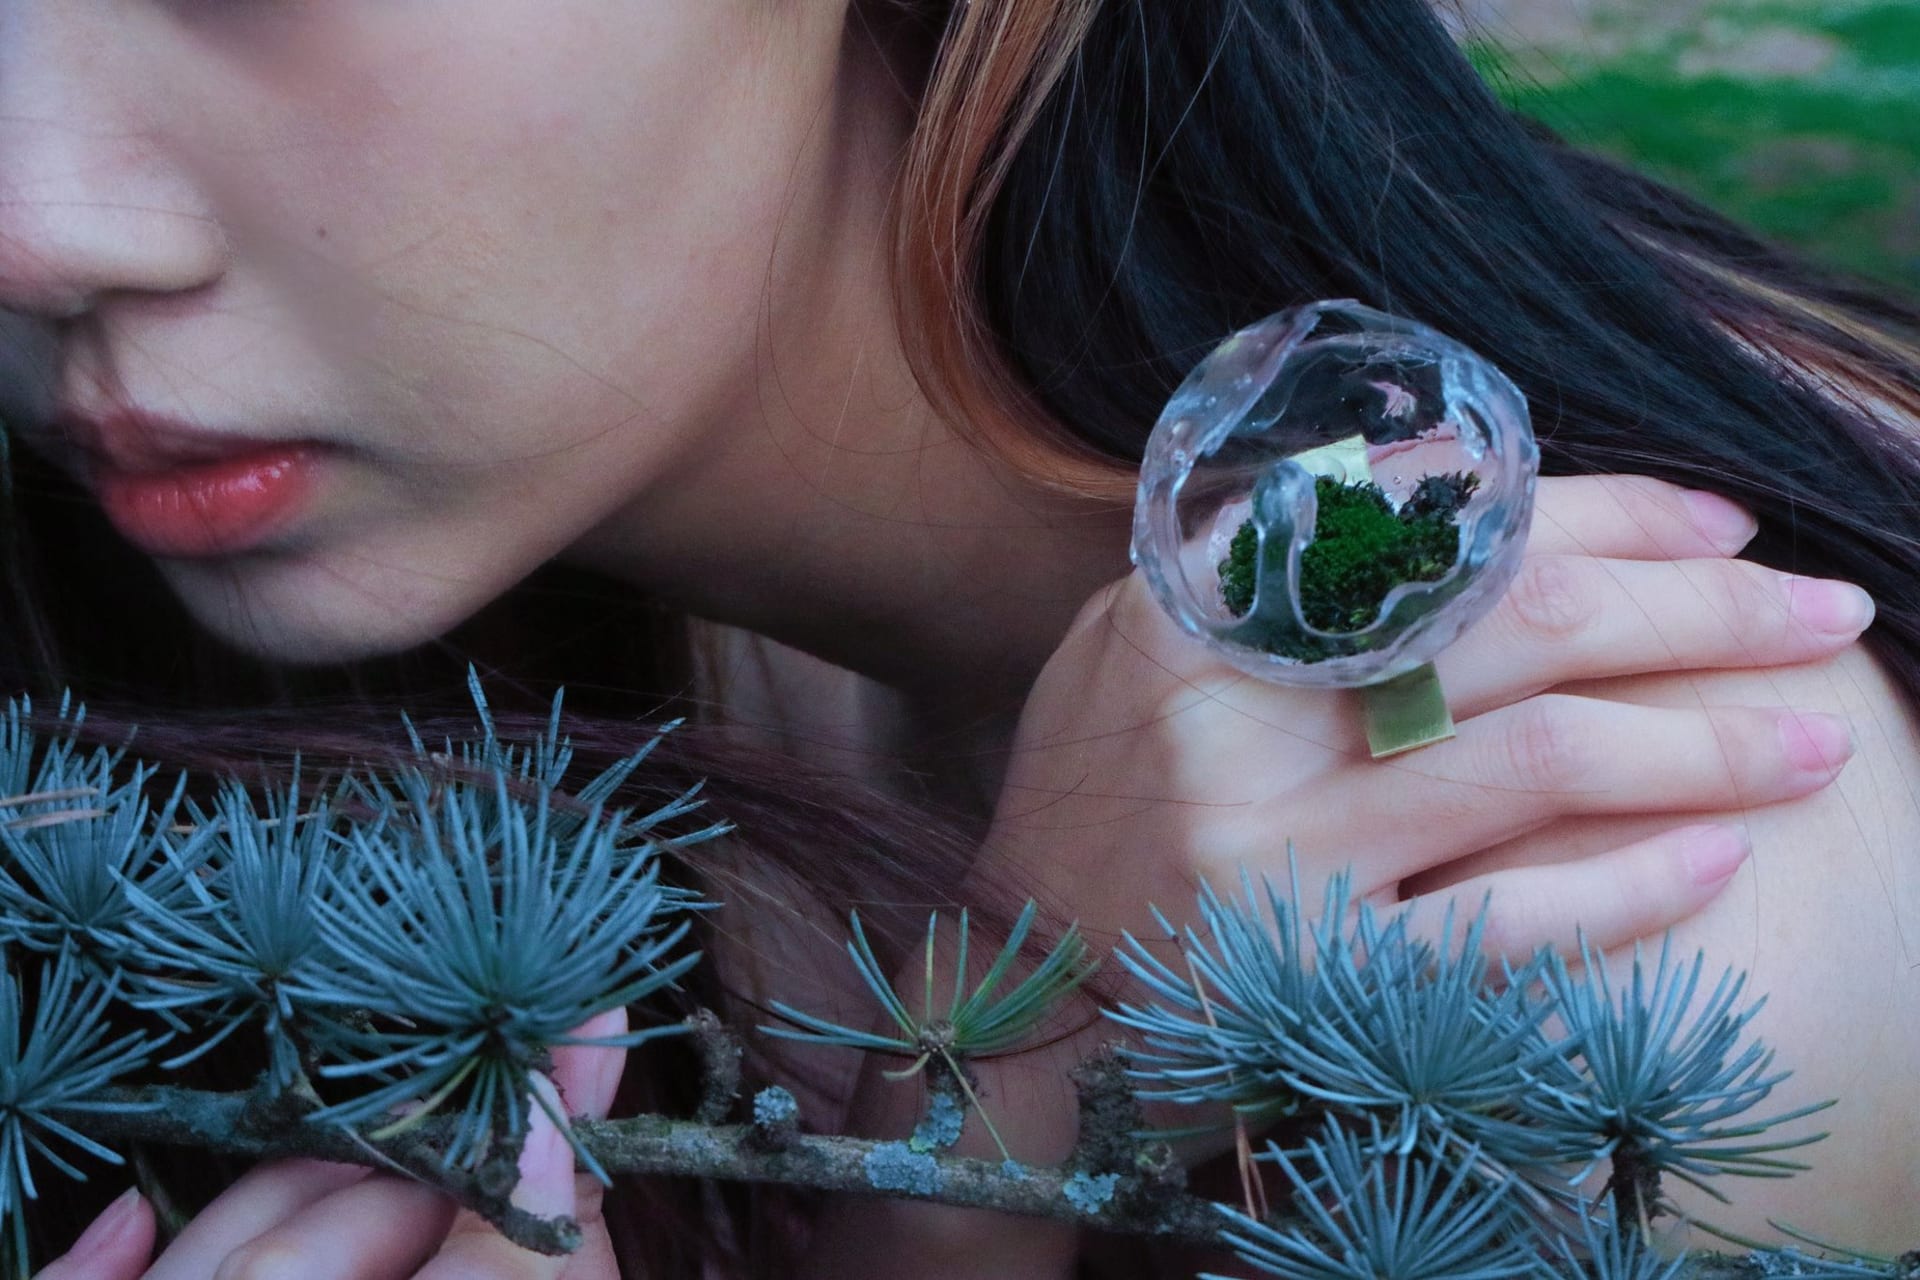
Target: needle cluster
{"type": "Point", "coordinates": [411, 942]}
{"type": "Point", "coordinates": [980, 1017]}
{"type": "Point", "coordinates": [1399, 1075]}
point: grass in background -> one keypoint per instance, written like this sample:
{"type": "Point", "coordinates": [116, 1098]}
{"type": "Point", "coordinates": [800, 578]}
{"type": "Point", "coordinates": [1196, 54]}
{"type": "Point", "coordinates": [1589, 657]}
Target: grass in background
{"type": "Point", "coordinates": [1799, 119]}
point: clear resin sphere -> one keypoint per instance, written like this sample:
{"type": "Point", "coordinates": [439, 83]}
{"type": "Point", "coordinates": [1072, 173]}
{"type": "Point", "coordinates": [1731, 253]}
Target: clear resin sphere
{"type": "Point", "coordinates": [1335, 494]}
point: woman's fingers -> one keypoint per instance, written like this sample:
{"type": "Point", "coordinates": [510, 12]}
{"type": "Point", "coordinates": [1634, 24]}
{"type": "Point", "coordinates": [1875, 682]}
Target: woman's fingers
{"type": "Point", "coordinates": [588, 1076]}
{"type": "Point", "coordinates": [1571, 618]}
{"type": "Point", "coordinates": [1565, 619]}
{"type": "Point", "coordinates": [379, 1227]}
{"type": "Point", "coordinates": [1634, 518]}
{"type": "Point", "coordinates": [335, 1222]}
{"type": "Point", "coordinates": [475, 1251]}
{"type": "Point", "coordinates": [116, 1246]}
{"type": "Point", "coordinates": [262, 1197]}
{"type": "Point", "coordinates": [585, 1079]}
{"type": "Point", "coordinates": [1609, 899]}
{"type": "Point", "coordinates": [1555, 755]}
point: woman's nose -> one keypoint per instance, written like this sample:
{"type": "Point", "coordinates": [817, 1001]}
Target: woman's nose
{"type": "Point", "coordinates": [94, 198]}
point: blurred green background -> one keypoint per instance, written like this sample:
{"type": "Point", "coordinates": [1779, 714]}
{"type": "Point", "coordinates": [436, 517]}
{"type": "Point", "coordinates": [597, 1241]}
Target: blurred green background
{"type": "Point", "coordinates": [1800, 119]}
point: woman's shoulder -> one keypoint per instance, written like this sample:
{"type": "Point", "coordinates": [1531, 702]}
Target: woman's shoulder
{"type": "Point", "coordinates": [1825, 921]}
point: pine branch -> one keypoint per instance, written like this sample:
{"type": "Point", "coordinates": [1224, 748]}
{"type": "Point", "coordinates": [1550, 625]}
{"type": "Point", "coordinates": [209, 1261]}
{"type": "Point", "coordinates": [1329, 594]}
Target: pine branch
{"type": "Point", "coordinates": [660, 1145]}
{"type": "Point", "coordinates": [236, 1124]}
{"type": "Point", "coordinates": [1139, 1204]}
{"type": "Point", "coordinates": [417, 942]}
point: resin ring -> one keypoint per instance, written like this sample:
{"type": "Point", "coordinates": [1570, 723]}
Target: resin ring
{"type": "Point", "coordinates": [1331, 498]}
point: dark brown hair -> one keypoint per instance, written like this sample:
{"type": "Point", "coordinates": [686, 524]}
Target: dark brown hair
{"type": "Point", "coordinates": [1098, 191]}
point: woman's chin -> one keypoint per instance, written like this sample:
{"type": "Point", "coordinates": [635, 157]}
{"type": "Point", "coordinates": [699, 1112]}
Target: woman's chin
{"type": "Point", "coordinates": [308, 641]}
{"type": "Point", "coordinates": [301, 616]}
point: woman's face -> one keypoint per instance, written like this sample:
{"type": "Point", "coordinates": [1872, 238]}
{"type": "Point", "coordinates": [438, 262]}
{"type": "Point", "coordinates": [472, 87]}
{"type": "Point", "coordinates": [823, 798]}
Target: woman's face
{"type": "Point", "coordinates": [452, 282]}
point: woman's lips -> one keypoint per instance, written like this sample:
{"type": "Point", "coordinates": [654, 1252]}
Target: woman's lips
{"type": "Point", "coordinates": [209, 507]}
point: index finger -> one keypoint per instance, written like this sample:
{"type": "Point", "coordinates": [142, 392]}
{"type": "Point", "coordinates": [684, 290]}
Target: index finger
{"type": "Point", "coordinates": [584, 1082]}
{"type": "Point", "coordinates": [1610, 517]}
{"type": "Point", "coordinates": [115, 1247]}
{"type": "Point", "coordinates": [263, 1198]}
{"type": "Point", "coordinates": [1634, 518]}
{"type": "Point", "coordinates": [475, 1251]}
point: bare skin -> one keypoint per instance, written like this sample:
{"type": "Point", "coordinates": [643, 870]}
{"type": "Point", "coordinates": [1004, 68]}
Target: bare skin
{"type": "Point", "coordinates": [599, 280]}
{"type": "Point", "coordinates": [1815, 914]}
{"type": "Point", "coordinates": [483, 255]}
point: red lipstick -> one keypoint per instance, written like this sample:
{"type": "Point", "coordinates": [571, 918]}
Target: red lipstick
{"type": "Point", "coordinates": [177, 491]}
{"type": "Point", "coordinates": [214, 508]}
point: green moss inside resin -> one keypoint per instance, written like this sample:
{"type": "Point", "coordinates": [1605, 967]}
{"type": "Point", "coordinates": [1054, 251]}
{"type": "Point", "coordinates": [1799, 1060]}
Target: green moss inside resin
{"type": "Point", "coordinates": [1362, 549]}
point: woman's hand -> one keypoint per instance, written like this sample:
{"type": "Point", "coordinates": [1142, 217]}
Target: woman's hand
{"type": "Point", "coordinates": [1143, 765]}
{"type": "Point", "coordinates": [322, 1221]}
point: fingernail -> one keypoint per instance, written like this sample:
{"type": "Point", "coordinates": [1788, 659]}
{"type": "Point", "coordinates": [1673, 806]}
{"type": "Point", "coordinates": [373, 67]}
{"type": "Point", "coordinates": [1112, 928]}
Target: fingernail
{"type": "Point", "coordinates": [546, 1164]}
{"type": "Point", "coordinates": [1726, 524]}
{"type": "Point", "coordinates": [106, 1229]}
{"type": "Point", "coordinates": [1815, 742]}
{"type": "Point", "coordinates": [1836, 608]}
{"type": "Point", "coordinates": [1712, 852]}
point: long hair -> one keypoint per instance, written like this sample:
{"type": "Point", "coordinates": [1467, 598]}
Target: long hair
{"type": "Point", "coordinates": [1099, 192]}
{"type": "Point", "coordinates": [1096, 192]}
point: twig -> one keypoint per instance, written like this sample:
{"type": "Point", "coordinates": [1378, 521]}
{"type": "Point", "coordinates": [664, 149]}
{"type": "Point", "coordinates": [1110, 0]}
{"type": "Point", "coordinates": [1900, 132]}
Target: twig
{"type": "Point", "coordinates": [720, 1055]}
{"type": "Point", "coordinates": [662, 1146]}
{"type": "Point", "coordinates": [1146, 1202]}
